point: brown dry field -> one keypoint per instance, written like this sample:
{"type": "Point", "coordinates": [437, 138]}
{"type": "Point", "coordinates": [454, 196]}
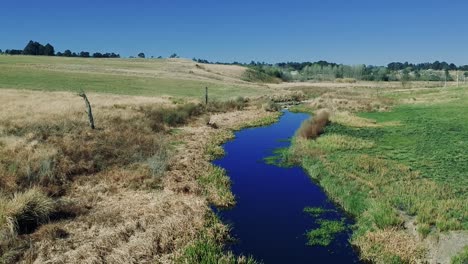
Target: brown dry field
{"type": "Point", "coordinates": [123, 221]}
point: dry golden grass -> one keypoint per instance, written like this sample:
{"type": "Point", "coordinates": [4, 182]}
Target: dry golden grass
{"type": "Point", "coordinates": [107, 203]}
{"type": "Point", "coordinates": [383, 246]}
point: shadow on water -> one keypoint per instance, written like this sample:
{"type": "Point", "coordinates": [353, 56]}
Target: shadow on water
{"type": "Point", "coordinates": [268, 220]}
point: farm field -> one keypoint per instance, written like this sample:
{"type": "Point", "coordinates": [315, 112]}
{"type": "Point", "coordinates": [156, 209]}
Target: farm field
{"type": "Point", "coordinates": [149, 77]}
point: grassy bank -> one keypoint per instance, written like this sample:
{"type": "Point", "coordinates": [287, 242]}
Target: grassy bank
{"type": "Point", "coordinates": [138, 186]}
{"type": "Point", "coordinates": [396, 172]}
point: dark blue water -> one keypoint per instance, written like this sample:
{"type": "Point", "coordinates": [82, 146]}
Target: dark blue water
{"type": "Point", "coordinates": [268, 220]}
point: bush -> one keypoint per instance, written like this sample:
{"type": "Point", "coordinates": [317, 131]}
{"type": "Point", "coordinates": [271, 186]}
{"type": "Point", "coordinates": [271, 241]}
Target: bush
{"type": "Point", "coordinates": [312, 128]}
{"type": "Point", "coordinates": [159, 117]}
{"type": "Point", "coordinates": [254, 75]}
{"type": "Point", "coordinates": [271, 106]}
{"type": "Point", "coordinates": [238, 103]}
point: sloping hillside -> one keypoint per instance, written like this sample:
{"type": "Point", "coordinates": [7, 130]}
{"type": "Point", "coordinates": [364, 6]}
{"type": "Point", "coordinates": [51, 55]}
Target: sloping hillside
{"type": "Point", "coordinates": [149, 77]}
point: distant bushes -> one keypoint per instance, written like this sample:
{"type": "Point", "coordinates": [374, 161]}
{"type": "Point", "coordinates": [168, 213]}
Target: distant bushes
{"type": "Point", "coordinates": [271, 106]}
{"type": "Point", "coordinates": [312, 128]}
{"type": "Point", "coordinates": [254, 75]}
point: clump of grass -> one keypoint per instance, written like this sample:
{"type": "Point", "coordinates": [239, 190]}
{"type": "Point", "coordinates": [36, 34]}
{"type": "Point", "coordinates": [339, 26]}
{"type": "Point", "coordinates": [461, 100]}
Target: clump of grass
{"type": "Point", "coordinates": [325, 234]}
{"type": "Point", "coordinates": [461, 258]}
{"type": "Point", "coordinates": [270, 119]}
{"type": "Point", "coordinates": [158, 163]}
{"type": "Point", "coordinates": [206, 251]}
{"type": "Point", "coordinates": [382, 215]}
{"type": "Point", "coordinates": [24, 212]}
{"type": "Point", "coordinates": [208, 247]}
{"type": "Point", "coordinates": [217, 186]}
{"type": "Point", "coordinates": [313, 127]}
{"type": "Point", "coordinates": [180, 115]}
{"type": "Point", "coordinates": [317, 211]}
{"type": "Point", "coordinates": [215, 106]}
{"type": "Point", "coordinates": [213, 149]}
{"type": "Point", "coordinates": [271, 106]}
{"type": "Point", "coordinates": [385, 246]}
{"type": "Point", "coordinates": [334, 142]}
{"type": "Point", "coordinates": [424, 229]}
{"type": "Point", "coordinates": [279, 158]}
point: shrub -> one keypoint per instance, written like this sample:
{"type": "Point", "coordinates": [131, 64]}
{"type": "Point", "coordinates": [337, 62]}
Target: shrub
{"type": "Point", "coordinates": [180, 115]}
{"type": "Point", "coordinates": [254, 75]}
{"type": "Point", "coordinates": [313, 127]}
{"type": "Point", "coordinates": [238, 103]}
{"type": "Point", "coordinates": [158, 163]}
{"type": "Point", "coordinates": [271, 106]}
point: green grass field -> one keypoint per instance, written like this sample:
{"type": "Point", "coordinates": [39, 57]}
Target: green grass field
{"type": "Point", "coordinates": [150, 77]}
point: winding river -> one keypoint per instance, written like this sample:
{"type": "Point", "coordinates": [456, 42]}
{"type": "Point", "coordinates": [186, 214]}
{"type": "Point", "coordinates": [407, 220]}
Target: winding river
{"type": "Point", "coordinates": [268, 220]}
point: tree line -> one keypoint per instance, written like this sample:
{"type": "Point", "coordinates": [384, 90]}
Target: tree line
{"type": "Point", "coordinates": [35, 48]}
{"type": "Point", "coordinates": [329, 71]}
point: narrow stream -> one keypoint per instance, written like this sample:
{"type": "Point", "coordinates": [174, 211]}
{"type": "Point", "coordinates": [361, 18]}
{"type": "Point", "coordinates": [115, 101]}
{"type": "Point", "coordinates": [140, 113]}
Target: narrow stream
{"type": "Point", "coordinates": [268, 220]}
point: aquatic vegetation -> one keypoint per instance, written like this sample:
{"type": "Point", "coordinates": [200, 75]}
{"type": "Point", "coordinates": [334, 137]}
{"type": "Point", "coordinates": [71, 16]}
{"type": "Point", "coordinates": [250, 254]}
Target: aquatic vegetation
{"type": "Point", "coordinates": [325, 234]}
{"type": "Point", "coordinates": [317, 211]}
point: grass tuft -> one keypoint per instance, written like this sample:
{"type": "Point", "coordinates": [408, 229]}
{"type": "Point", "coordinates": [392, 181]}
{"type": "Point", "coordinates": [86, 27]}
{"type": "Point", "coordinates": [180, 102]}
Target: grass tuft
{"type": "Point", "coordinates": [313, 127]}
{"type": "Point", "coordinates": [24, 212]}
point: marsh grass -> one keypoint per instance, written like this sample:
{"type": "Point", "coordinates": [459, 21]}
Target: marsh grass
{"type": "Point", "coordinates": [268, 120]}
{"type": "Point", "coordinates": [217, 186]}
{"type": "Point", "coordinates": [317, 211]}
{"type": "Point", "coordinates": [378, 164]}
{"type": "Point", "coordinates": [208, 247]}
{"type": "Point", "coordinates": [325, 233]}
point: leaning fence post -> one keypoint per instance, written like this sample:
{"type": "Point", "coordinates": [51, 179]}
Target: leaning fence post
{"type": "Point", "coordinates": [206, 95]}
{"type": "Point", "coordinates": [89, 110]}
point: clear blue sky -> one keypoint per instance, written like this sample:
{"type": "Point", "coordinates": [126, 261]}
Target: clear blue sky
{"type": "Point", "coordinates": [345, 31]}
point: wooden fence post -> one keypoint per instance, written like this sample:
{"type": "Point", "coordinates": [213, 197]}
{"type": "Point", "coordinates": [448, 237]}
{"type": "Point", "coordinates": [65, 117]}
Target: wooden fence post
{"type": "Point", "coordinates": [88, 109]}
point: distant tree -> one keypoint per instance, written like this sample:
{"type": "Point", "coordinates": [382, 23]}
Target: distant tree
{"type": "Point", "coordinates": [160, 57]}
{"type": "Point", "coordinates": [49, 50]}
{"type": "Point", "coordinates": [97, 55]}
{"type": "Point", "coordinates": [59, 54]}
{"type": "Point", "coordinates": [34, 48]}
{"type": "Point", "coordinates": [13, 52]}
{"type": "Point", "coordinates": [405, 78]}
{"type": "Point", "coordinates": [84, 54]}
{"type": "Point", "coordinates": [174, 55]}
{"type": "Point", "coordinates": [67, 53]}
{"type": "Point", "coordinates": [1, 51]}
{"type": "Point", "coordinates": [141, 55]}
